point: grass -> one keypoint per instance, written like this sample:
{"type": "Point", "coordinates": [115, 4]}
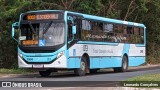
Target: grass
{"type": "Point", "coordinates": [15, 71]}
{"type": "Point", "coordinates": [145, 81]}
{"type": "Point", "coordinates": [147, 77]}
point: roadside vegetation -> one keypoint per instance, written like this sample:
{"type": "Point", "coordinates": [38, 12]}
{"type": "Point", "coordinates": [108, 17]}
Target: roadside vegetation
{"type": "Point", "coordinates": [146, 77]}
{"type": "Point", "coordinates": [15, 71]}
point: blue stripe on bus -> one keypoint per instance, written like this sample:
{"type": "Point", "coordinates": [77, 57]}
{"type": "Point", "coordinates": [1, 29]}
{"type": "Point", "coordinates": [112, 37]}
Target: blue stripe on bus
{"type": "Point", "coordinates": [136, 61]}
{"type": "Point", "coordinates": [96, 62]}
{"type": "Point", "coordinates": [73, 62]}
{"type": "Point", "coordinates": [105, 62]}
{"type": "Point", "coordinates": [126, 48]}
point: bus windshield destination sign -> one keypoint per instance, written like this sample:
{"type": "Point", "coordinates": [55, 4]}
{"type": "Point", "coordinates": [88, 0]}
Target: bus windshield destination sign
{"type": "Point", "coordinates": [42, 16]}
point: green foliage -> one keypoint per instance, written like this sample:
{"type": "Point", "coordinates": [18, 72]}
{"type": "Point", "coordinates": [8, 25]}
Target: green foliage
{"type": "Point", "coordinates": [86, 6]}
{"type": "Point", "coordinates": [146, 77]}
{"type": "Point", "coordinates": [16, 71]}
{"type": "Point", "coordinates": [142, 11]}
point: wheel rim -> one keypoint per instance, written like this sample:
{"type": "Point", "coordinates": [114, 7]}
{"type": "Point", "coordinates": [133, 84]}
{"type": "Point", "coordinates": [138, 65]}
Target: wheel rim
{"type": "Point", "coordinates": [83, 66]}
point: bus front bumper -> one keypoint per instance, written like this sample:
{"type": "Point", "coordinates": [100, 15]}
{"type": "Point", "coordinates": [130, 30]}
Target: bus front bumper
{"type": "Point", "coordinates": [61, 62]}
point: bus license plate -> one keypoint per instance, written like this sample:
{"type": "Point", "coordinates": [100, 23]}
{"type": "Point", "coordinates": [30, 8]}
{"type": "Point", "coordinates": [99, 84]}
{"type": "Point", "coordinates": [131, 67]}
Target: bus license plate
{"type": "Point", "coordinates": [37, 65]}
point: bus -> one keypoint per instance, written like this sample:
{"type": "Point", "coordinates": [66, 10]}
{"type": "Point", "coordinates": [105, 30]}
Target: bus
{"type": "Point", "coordinates": [51, 40]}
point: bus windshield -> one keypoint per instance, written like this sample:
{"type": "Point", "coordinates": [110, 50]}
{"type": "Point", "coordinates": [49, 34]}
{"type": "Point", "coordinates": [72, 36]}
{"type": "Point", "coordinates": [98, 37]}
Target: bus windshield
{"type": "Point", "coordinates": [42, 34]}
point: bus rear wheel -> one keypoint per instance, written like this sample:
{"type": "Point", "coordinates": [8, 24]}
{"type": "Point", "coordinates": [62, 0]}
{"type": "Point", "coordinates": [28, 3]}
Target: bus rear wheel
{"type": "Point", "coordinates": [83, 67]}
{"type": "Point", "coordinates": [124, 65]}
{"type": "Point", "coordinates": [45, 73]}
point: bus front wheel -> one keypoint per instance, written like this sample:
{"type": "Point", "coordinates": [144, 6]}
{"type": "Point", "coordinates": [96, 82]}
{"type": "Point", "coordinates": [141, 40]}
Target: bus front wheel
{"type": "Point", "coordinates": [45, 73]}
{"type": "Point", "coordinates": [124, 65]}
{"type": "Point", "coordinates": [83, 67]}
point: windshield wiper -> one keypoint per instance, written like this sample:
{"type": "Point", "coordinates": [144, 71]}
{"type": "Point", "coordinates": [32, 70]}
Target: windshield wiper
{"type": "Point", "coordinates": [46, 29]}
{"type": "Point", "coordinates": [32, 27]}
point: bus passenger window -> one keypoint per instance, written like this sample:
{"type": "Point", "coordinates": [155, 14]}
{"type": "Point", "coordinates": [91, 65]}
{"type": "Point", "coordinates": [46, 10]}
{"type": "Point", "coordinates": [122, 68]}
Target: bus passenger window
{"type": "Point", "coordinates": [85, 32]}
{"type": "Point", "coordinates": [141, 31]}
{"type": "Point", "coordinates": [86, 25]}
{"type": "Point", "coordinates": [126, 34]}
{"type": "Point", "coordinates": [108, 32]}
{"type": "Point", "coordinates": [124, 29]}
{"type": "Point", "coordinates": [118, 29]}
{"type": "Point", "coordinates": [108, 27]}
{"type": "Point", "coordinates": [96, 26]}
{"type": "Point", "coordinates": [142, 35]}
{"type": "Point", "coordinates": [97, 31]}
{"type": "Point", "coordinates": [129, 30]}
{"type": "Point", "coordinates": [136, 31]}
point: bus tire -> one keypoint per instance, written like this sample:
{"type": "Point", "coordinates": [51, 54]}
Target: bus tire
{"type": "Point", "coordinates": [83, 67]}
{"type": "Point", "coordinates": [45, 73]}
{"type": "Point", "coordinates": [124, 65]}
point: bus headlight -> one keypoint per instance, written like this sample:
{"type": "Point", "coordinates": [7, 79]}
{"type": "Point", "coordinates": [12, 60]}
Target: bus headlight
{"type": "Point", "coordinates": [60, 54]}
{"type": "Point", "coordinates": [19, 54]}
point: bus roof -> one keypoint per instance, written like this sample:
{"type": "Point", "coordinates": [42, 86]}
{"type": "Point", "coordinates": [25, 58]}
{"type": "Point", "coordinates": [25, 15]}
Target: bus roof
{"type": "Point", "coordinates": [93, 17]}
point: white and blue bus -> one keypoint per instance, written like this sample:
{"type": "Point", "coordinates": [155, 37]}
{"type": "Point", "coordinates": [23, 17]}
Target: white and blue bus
{"type": "Point", "coordinates": [55, 39]}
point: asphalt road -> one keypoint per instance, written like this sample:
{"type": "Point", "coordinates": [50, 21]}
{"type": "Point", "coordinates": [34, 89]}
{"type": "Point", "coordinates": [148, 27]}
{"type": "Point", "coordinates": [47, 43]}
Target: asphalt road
{"type": "Point", "coordinates": [103, 78]}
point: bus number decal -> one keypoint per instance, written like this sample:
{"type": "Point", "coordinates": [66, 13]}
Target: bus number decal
{"type": "Point", "coordinates": [85, 47]}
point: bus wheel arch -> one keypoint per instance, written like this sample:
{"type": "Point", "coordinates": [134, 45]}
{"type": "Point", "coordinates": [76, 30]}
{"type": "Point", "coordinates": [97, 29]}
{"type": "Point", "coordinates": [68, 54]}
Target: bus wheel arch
{"type": "Point", "coordinates": [84, 65]}
{"type": "Point", "coordinates": [124, 64]}
{"type": "Point", "coordinates": [87, 60]}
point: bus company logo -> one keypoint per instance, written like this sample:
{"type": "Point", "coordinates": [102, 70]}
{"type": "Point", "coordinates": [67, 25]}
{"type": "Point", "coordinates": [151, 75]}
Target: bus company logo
{"type": "Point", "coordinates": [6, 84]}
{"type": "Point", "coordinates": [85, 47]}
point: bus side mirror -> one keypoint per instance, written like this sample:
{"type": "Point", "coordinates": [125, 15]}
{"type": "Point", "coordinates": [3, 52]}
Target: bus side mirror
{"type": "Point", "coordinates": [73, 29]}
{"type": "Point", "coordinates": [14, 26]}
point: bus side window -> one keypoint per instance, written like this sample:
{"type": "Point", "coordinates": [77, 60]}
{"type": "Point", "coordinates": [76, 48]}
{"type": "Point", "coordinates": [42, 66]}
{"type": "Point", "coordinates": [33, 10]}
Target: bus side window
{"type": "Point", "coordinates": [131, 34]}
{"type": "Point", "coordinates": [129, 30]}
{"type": "Point", "coordinates": [136, 31]}
{"type": "Point", "coordinates": [125, 34]}
{"type": "Point", "coordinates": [85, 32]}
{"type": "Point", "coordinates": [142, 35]}
{"type": "Point", "coordinates": [108, 31]}
{"type": "Point", "coordinates": [125, 30]}
{"type": "Point", "coordinates": [108, 27]}
{"type": "Point", "coordinates": [118, 33]}
{"type": "Point", "coordinates": [141, 31]}
{"type": "Point", "coordinates": [97, 26]}
{"type": "Point", "coordinates": [136, 35]}
{"type": "Point", "coordinates": [97, 29]}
